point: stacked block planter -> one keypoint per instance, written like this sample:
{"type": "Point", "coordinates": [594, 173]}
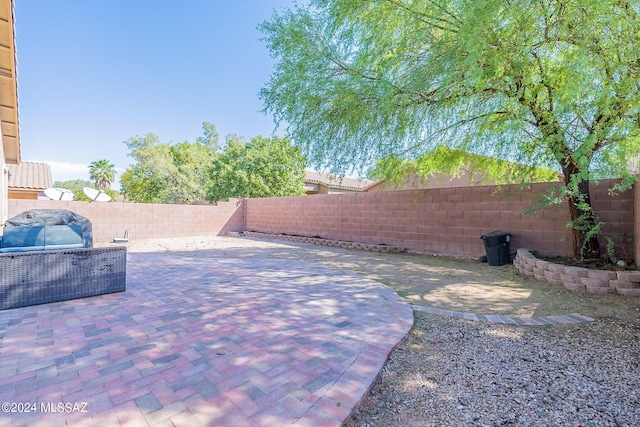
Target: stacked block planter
{"type": "Point", "coordinates": [578, 278]}
{"type": "Point", "coordinates": [319, 241]}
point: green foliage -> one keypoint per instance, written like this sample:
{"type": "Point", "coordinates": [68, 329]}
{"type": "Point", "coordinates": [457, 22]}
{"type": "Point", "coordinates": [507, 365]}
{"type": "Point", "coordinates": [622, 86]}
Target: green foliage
{"type": "Point", "coordinates": [75, 186]}
{"type": "Point", "coordinates": [544, 83]}
{"type": "Point", "coordinates": [611, 251]}
{"type": "Point", "coordinates": [443, 160]}
{"type": "Point", "coordinates": [103, 173]}
{"type": "Point", "coordinates": [169, 173]}
{"type": "Point", "coordinates": [262, 167]}
{"type": "Point", "coordinates": [210, 136]}
{"type": "Point", "coordinates": [139, 185]}
{"type": "Point", "coordinates": [188, 172]}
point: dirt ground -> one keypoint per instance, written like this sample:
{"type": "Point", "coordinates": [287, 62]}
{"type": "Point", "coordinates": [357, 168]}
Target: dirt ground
{"type": "Point", "coordinates": [442, 282]}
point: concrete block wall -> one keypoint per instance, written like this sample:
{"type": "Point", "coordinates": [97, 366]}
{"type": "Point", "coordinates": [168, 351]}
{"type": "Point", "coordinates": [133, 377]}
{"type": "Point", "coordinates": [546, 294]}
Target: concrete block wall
{"type": "Point", "coordinates": [445, 220]}
{"type": "Point", "coordinates": [147, 221]}
{"type": "Point", "coordinates": [618, 214]}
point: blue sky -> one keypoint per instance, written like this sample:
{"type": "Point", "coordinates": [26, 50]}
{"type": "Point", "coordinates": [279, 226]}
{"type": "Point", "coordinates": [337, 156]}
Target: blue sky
{"type": "Point", "coordinates": [92, 74]}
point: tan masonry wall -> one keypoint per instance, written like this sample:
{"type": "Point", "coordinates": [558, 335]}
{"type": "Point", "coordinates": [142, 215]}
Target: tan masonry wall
{"type": "Point", "coordinates": [147, 221]}
{"type": "Point", "coordinates": [445, 220]}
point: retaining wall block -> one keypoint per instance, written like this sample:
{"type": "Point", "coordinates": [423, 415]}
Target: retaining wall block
{"type": "Point", "coordinates": [629, 276]}
{"type": "Point", "coordinates": [619, 284]}
{"type": "Point", "coordinates": [525, 253]}
{"type": "Point", "coordinates": [555, 282]}
{"type": "Point", "coordinates": [575, 286]}
{"type": "Point", "coordinates": [594, 282]}
{"type": "Point", "coordinates": [578, 278]}
{"type": "Point", "coordinates": [629, 292]}
{"type": "Point", "coordinates": [556, 268]}
{"type": "Point", "coordinates": [541, 264]}
{"type": "Point", "coordinates": [576, 271]}
{"type": "Point", "coordinates": [600, 290]}
{"type": "Point", "coordinates": [569, 279]}
{"type": "Point", "coordinates": [551, 275]}
{"type": "Point", "coordinates": [601, 274]}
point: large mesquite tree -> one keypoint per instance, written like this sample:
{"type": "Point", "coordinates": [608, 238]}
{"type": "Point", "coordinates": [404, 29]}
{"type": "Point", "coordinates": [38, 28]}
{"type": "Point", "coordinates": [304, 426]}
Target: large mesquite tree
{"type": "Point", "coordinates": [551, 83]}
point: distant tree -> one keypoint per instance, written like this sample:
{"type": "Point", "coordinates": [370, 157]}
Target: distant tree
{"type": "Point", "coordinates": [262, 167]}
{"type": "Point", "coordinates": [168, 173]}
{"type": "Point", "coordinates": [103, 173]}
{"type": "Point", "coordinates": [75, 186]}
{"type": "Point", "coordinates": [139, 185]}
{"type": "Point", "coordinates": [210, 136]}
{"type": "Point", "coordinates": [549, 83]}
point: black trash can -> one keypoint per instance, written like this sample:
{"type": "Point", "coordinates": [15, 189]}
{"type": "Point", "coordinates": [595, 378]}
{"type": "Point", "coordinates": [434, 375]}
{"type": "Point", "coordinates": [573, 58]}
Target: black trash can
{"type": "Point", "coordinates": [497, 246]}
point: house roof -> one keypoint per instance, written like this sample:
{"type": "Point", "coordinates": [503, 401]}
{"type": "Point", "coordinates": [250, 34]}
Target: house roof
{"type": "Point", "coordinates": [373, 184]}
{"type": "Point", "coordinates": [8, 85]}
{"type": "Point", "coordinates": [444, 162]}
{"type": "Point", "coordinates": [30, 175]}
{"type": "Point", "coordinates": [337, 182]}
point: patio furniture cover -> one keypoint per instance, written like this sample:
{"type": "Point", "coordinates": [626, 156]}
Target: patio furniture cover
{"type": "Point", "coordinates": [43, 217]}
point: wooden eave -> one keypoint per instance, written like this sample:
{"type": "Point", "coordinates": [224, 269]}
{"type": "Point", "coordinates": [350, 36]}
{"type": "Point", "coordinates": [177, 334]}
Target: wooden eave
{"type": "Point", "coordinates": [8, 85]}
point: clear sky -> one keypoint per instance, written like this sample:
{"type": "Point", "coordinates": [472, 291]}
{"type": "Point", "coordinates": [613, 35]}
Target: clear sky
{"type": "Point", "coordinates": [93, 73]}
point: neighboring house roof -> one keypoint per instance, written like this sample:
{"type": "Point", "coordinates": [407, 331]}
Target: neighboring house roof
{"type": "Point", "coordinates": [336, 182]}
{"type": "Point", "coordinates": [8, 85]}
{"type": "Point", "coordinates": [438, 180]}
{"type": "Point", "coordinates": [29, 175]}
{"type": "Point", "coordinates": [476, 170]}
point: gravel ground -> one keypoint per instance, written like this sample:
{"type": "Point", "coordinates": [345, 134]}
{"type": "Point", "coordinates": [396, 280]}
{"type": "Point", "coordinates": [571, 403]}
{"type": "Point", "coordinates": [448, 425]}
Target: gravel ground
{"type": "Point", "coordinates": [452, 372]}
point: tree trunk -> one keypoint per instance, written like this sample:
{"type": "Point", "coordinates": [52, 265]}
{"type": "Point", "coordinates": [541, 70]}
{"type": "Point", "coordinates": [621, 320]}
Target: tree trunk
{"type": "Point", "coordinates": [583, 221]}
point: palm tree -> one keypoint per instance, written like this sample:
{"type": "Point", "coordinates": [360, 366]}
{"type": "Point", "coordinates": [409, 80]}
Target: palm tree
{"type": "Point", "coordinates": [102, 172]}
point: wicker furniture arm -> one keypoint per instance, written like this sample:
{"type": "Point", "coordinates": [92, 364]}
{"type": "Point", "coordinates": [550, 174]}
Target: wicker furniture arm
{"type": "Point", "coordinates": [39, 277]}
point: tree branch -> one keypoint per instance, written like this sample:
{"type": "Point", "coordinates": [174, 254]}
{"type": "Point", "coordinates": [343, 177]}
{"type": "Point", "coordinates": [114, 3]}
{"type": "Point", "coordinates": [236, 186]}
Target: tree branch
{"type": "Point", "coordinates": [456, 124]}
{"type": "Point", "coordinates": [543, 79]}
{"type": "Point", "coordinates": [583, 121]}
{"type": "Point", "coordinates": [427, 19]}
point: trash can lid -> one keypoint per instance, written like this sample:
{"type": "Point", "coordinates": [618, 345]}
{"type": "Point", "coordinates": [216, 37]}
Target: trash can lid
{"type": "Point", "coordinates": [495, 234]}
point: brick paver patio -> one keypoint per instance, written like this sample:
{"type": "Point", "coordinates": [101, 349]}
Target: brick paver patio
{"type": "Point", "coordinates": [564, 319]}
{"type": "Point", "coordinates": [202, 341]}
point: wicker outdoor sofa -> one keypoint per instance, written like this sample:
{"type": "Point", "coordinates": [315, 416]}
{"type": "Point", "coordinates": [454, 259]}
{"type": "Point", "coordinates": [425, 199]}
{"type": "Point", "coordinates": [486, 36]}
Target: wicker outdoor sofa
{"type": "Point", "coordinates": [44, 276]}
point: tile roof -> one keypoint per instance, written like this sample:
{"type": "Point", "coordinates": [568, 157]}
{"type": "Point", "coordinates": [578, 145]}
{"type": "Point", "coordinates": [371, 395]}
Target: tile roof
{"type": "Point", "coordinates": [338, 182]}
{"type": "Point", "coordinates": [30, 175]}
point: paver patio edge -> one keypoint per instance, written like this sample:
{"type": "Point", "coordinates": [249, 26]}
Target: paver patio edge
{"type": "Point", "coordinates": [350, 390]}
{"type": "Point", "coordinates": [573, 318]}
